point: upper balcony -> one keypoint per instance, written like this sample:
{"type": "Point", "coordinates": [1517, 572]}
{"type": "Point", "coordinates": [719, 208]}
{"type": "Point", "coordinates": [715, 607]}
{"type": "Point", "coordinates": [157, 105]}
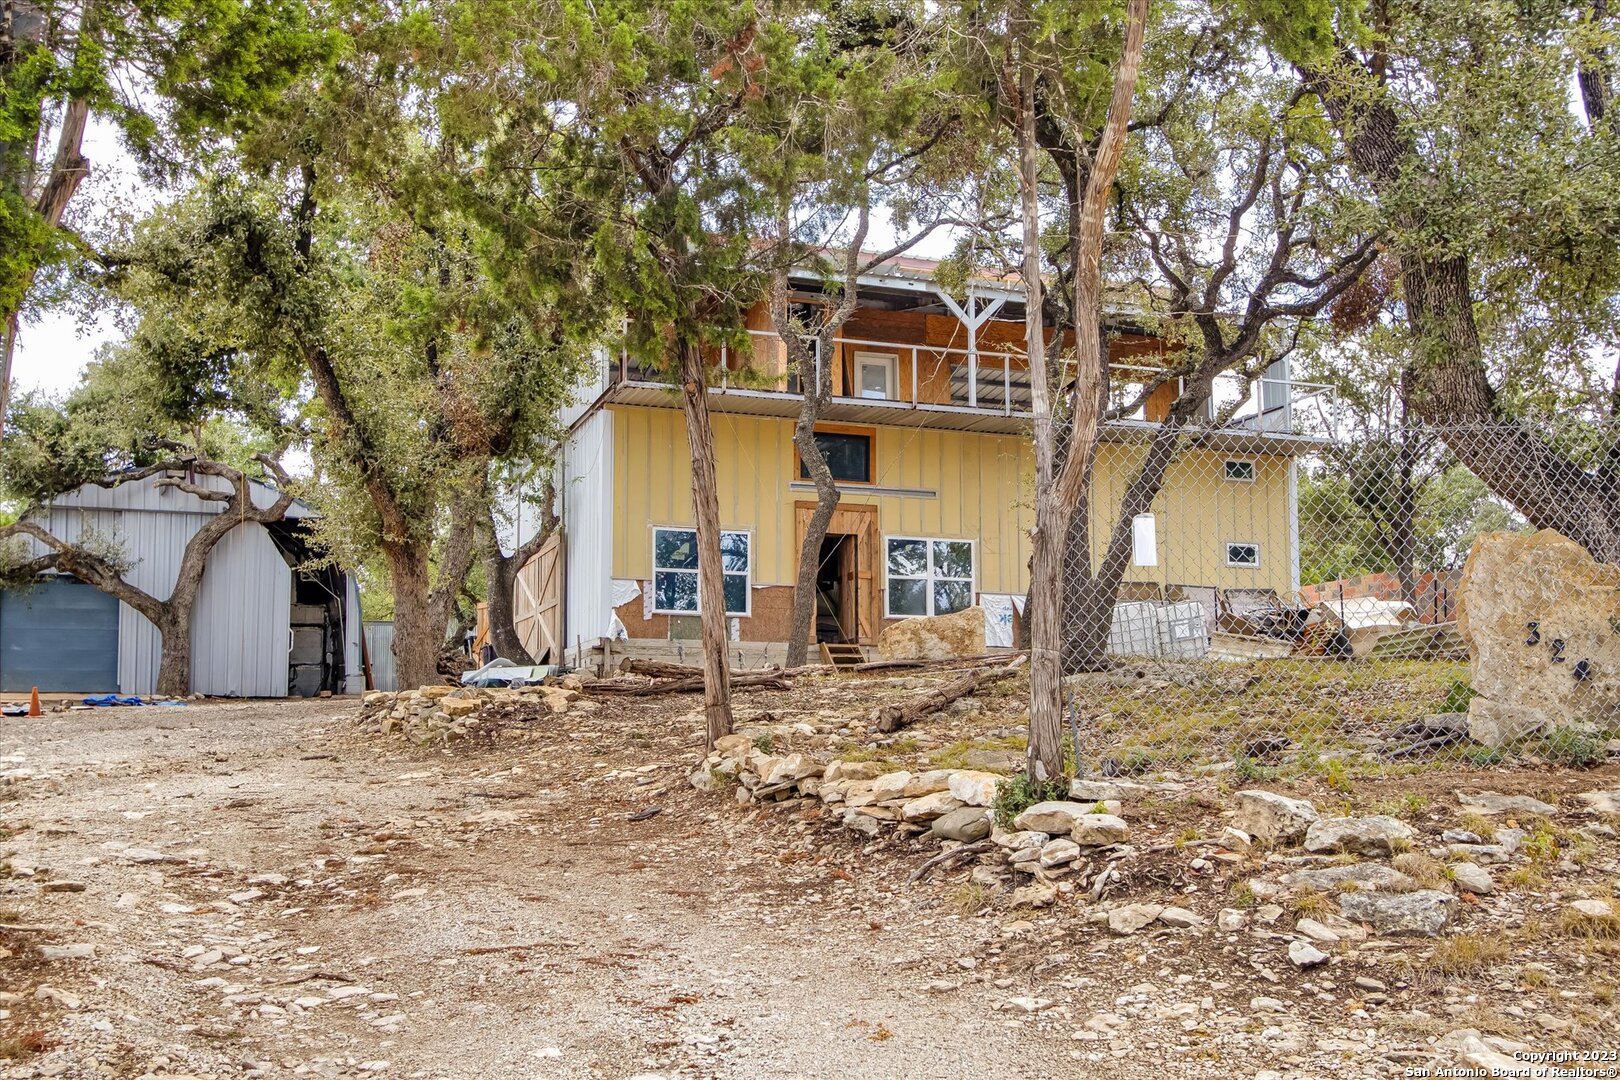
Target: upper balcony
{"type": "Point", "coordinates": [878, 380]}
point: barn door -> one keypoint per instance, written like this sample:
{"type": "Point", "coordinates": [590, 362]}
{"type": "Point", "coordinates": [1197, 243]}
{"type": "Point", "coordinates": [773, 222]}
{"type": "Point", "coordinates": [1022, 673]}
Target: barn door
{"type": "Point", "coordinates": [537, 603]}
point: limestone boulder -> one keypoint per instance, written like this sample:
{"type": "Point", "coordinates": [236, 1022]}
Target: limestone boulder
{"type": "Point", "coordinates": [1368, 877]}
{"type": "Point", "coordinates": [974, 788]}
{"type": "Point", "coordinates": [1474, 879]}
{"type": "Point", "coordinates": [792, 767]}
{"type": "Point", "coordinates": [1099, 830]}
{"type": "Point", "coordinates": [929, 807]}
{"type": "Point", "coordinates": [936, 637]}
{"type": "Point", "coordinates": [1377, 835]}
{"type": "Point", "coordinates": [1491, 802]}
{"type": "Point", "coordinates": [1423, 913]}
{"type": "Point", "coordinates": [966, 823]}
{"type": "Point", "coordinates": [1601, 802]}
{"type": "Point", "coordinates": [1538, 614]}
{"type": "Point", "coordinates": [1061, 818]}
{"type": "Point", "coordinates": [1272, 818]}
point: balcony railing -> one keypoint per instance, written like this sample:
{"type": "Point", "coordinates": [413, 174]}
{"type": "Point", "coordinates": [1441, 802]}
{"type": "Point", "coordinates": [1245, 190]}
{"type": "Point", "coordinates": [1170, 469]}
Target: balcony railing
{"type": "Point", "coordinates": [996, 381]}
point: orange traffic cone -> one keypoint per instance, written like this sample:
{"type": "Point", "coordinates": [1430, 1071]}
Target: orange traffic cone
{"type": "Point", "coordinates": [33, 703]}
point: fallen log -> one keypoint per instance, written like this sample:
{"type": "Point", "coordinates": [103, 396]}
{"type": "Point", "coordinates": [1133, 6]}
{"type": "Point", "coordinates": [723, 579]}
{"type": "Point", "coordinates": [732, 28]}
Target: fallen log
{"type": "Point", "coordinates": [755, 680]}
{"type": "Point", "coordinates": [935, 665]}
{"type": "Point", "coordinates": [658, 669]}
{"type": "Point", "coordinates": [895, 717]}
{"type": "Point", "coordinates": [952, 855]}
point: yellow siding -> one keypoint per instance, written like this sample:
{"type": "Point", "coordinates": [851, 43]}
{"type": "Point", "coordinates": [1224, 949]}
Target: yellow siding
{"type": "Point", "coordinates": [1198, 511]}
{"type": "Point", "coordinates": [983, 485]}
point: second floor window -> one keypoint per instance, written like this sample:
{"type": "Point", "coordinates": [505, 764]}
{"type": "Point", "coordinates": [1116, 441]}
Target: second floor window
{"type": "Point", "coordinates": [848, 454]}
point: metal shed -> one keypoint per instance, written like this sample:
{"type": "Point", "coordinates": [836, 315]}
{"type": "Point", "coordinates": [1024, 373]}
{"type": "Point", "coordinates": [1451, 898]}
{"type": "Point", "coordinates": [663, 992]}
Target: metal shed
{"type": "Point", "coordinates": [261, 627]}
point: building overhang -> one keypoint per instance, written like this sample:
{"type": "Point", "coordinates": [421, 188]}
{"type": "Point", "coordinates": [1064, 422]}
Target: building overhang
{"type": "Point", "coordinates": [781, 405]}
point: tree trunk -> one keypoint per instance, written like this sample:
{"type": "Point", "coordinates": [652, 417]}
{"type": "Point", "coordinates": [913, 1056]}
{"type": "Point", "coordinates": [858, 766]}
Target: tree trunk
{"type": "Point", "coordinates": [1449, 388]}
{"type": "Point", "coordinates": [174, 670]}
{"type": "Point", "coordinates": [460, 547]}
{"type": "Point", "coordinates": [1045, 753]}
{"type": "Point", "coordinates": [1090, 597]}
{"type": "Point", "coordinates": [416, 641]}
{"type": "Point", "coordinates": [802, 627]}
{"type": "Point", "coordinates": [500, 576]}
{"type": "Point", "coordinates": [706, 512]}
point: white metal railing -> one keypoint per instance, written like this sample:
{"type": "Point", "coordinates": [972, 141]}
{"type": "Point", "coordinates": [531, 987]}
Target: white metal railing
{"type": "Point", "coordinates": [996, 381]}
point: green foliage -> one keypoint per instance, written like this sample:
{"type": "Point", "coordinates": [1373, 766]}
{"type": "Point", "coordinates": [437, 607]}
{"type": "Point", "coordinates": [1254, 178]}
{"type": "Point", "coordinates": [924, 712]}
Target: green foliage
{"type": "Point", "coordinates": [1458, 695]}
{"type": "Point", "coordinates": [1018, 793]}
{"type": "Point", "coordinates": [174, 78]}
{"type": "Point", "coordinates": [1344, 517]}
{"type": "Point", "coordinates": [1576, 749]}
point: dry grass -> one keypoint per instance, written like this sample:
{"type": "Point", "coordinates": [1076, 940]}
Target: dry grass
{"type": "Point", "coordinates": [1427, 872]}
{"type": "Point", "coordinates": [1311, 902]}
{"type": "Point", "coordinates": [1464, 954]}
{"type": "Point", "coordinates": [969, 898]}
{"type": "Point", "coordinates": [1574, 923]}
{"type": "Point", "coordinates": [1478, 824]}
{"type": "Point", "coordinates": [1527, 877]}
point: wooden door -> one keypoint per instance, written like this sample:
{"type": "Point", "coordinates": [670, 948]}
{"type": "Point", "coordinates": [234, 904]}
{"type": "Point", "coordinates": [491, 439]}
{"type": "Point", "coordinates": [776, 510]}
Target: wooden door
{"type": "Point", "coordinates": [849, 587]}
{"type": "Point", "coordinates": [537, 603]}
{"type": "Point", "coordinates": [860, 524]}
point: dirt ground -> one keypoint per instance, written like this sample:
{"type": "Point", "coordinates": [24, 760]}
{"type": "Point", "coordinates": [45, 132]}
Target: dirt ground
{"type": "Point", "coordinates": [266, 889]}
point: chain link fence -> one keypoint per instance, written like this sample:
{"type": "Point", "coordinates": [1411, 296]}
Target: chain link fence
{"type": "Point", "coordinates": [1300, 602]}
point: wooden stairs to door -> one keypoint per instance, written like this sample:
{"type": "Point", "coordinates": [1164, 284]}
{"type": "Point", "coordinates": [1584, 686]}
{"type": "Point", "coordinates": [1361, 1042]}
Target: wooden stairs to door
{"type": "Point", "coordinates": [842, 656]}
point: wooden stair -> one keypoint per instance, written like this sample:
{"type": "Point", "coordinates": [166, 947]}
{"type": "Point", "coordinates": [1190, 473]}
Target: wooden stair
{"type": "Point", "coordinates": [843, 656]}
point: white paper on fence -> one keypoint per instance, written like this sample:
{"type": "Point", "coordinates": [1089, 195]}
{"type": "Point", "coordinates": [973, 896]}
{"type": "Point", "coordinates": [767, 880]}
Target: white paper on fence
{"type": "Point", "coordinates": [1144, 540]}
{"type": "Point", "coordinates": [998, 619]}
{"type": "Point", "coordinates": [1018, 602]}
{"type": "Point", "coordinates": [647, 603]}
{"type": "Point", "coordinates": [624, 591]}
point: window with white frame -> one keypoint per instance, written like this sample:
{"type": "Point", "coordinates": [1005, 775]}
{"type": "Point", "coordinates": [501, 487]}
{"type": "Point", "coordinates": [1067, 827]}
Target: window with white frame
{"type": "Point", "coordinates": [876, 375]}
{"type": "Point", "coordinates": [928, 577]}
{"type": "Point", "coordinates": [1243, 553]}
{"type": "Point", "coordinates": [1240, 470]}
{"type": "Point", "coordinates": [675, 571]}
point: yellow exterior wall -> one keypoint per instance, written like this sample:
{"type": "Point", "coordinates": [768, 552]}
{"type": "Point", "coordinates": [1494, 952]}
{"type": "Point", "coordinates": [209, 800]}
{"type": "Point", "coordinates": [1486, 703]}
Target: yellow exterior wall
{"type": "Point", "coordinates": [1198, 511]}
{"type": "Point", "coordinates": [984, 493]}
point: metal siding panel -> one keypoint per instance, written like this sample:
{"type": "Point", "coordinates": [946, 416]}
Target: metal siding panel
{"type": "Point", "coordinates": [61, 636]}
{"type": "Point", "coordinates": [353, 667]}
{"type": "Point", "coordinates": [380, 646]}
{"type": "Point", "coordinates": [240, 625]}
{"type": "Point", "coordinates": [588, 486]}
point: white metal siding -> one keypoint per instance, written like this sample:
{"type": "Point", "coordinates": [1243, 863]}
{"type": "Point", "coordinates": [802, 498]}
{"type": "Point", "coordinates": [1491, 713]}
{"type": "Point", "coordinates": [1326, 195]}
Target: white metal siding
{"type": "Point", "coordinates": [354, 672]}
{"type": "Point", "coordinates": [587, 518]}
{"type": "Point", "coordinates": [240, 633]}
{"type": "Point", "coordinates": [380, 646]}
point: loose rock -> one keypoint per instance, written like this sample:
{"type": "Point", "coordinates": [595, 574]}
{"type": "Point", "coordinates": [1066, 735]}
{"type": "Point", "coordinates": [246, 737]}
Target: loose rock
{"type": "Point", "coordinates": [1378, 835]}
{"type": "Point", "coordinates": [1273, 819]}
{"type": "Point", "coordinates": [1421, 914]}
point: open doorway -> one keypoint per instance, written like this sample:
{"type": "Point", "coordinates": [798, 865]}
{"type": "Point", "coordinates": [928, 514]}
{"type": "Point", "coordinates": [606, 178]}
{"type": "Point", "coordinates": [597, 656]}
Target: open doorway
{"type": "Point", "coordinates": [847, 609]}
{"type": "Point", "coordinates": [837, 590]}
